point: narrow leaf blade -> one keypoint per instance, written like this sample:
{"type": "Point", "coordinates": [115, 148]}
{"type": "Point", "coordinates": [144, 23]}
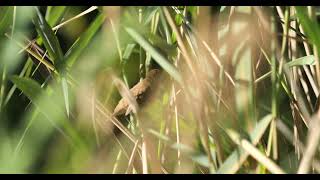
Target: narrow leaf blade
{"type": "Point", "coordinates": [163, 62]}
{"type": "Point", "coordinates": [49, 38]}
{"type": "Point", "coordinates": [306, 60]}
{"type": "Point", "coordinates": [65, 94]}
{"type": "Point", "coordinates": [83, 41]}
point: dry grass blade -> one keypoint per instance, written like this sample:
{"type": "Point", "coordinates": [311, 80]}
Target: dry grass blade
{"type": "Point", "coordinates": [93, 116]}
{"type": "Point", "coordinates": [144, 158]}
{"type": "Point", "coordinates": [177, 122]}
{"type": "Point", "coordinates": [218, 62]}
{"type": "Point", "coordinates": [312, 144]}
{"type": "Point", "coordinates": [75, 17]}
{"type": "Point", "coordinates": [184, 51]}
{"type": "Point", "coordinates": [255, 153]}
{"type": "Point", "coordinates": [290, 137]}
{"type": "Point", "coordinates": [132, 156]}
{"type": "Point", "coordinates": [47, 64]}
{"type": "Point", "coordinates": [114, 120]}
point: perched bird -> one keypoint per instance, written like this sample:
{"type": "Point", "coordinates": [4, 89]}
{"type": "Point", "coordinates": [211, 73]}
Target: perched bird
{"type": "Point", "coordinates": [139, 91]}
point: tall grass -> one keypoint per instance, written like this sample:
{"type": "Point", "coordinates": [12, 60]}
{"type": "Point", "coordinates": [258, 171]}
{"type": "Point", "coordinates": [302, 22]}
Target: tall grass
{"type": "Point", "coordinates": [237, 93]}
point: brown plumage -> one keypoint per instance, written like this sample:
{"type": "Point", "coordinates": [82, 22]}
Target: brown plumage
{"type": "Point", "coordinates": [138, 91]}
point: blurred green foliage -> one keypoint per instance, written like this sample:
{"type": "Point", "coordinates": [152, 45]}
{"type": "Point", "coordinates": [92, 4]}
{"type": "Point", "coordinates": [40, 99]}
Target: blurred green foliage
{"type": "Point", "coordinates": [231, 76]}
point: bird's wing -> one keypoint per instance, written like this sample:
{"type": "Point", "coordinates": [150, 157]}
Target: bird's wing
{"type": "Point", "coordinates": [140, 88]}
{"type": "Point", "coordinates": [137, 90]}
{"type": "Point", "coordinates": [121, 107]}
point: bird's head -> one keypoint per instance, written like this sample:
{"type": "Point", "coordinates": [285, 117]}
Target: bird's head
{"type": "Point", "coordinates": [152, 74]}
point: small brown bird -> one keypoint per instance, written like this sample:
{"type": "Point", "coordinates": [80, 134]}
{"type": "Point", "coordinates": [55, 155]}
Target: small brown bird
{"type": "Point", "coordinates": [139, 91]}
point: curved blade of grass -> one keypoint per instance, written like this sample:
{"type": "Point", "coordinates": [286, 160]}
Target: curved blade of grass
{"type": "Point", "coordinates": [54, 14]}
{"type": "Point", "coordinates": [306, 60]}
{"type": "Point", "coordinates": [49, 38]}
{"type": "Point", "coordinates": [47, 107]}
{"type": "Point", "coordinates": [163, 62]}
{"type": "Point", "coordinates": [235, 160]}
{"type": "Point", "coordinates": [82, 42]}
{"type": "Point", "coordinates": [33, 90]}
{"type": "Point", "coordinates": [13, 88]}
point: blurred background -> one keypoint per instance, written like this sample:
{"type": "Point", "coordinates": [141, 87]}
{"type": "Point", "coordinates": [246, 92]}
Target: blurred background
{"type": "Point", "coordinates": [236, 91]}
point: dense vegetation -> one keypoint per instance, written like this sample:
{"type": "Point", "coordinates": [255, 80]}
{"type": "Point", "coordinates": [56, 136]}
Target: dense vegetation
{"type": "Point", "coordinates": [236, 93]}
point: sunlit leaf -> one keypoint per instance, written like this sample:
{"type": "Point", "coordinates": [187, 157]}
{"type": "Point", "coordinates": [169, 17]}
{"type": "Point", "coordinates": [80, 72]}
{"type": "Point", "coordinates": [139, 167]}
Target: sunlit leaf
{"type": "Point", "coordinates": [49, 39]}
{"type": "Point", "coordinates": [306, 60]}
{"type": "Point", "coordinates": [236, 159]}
